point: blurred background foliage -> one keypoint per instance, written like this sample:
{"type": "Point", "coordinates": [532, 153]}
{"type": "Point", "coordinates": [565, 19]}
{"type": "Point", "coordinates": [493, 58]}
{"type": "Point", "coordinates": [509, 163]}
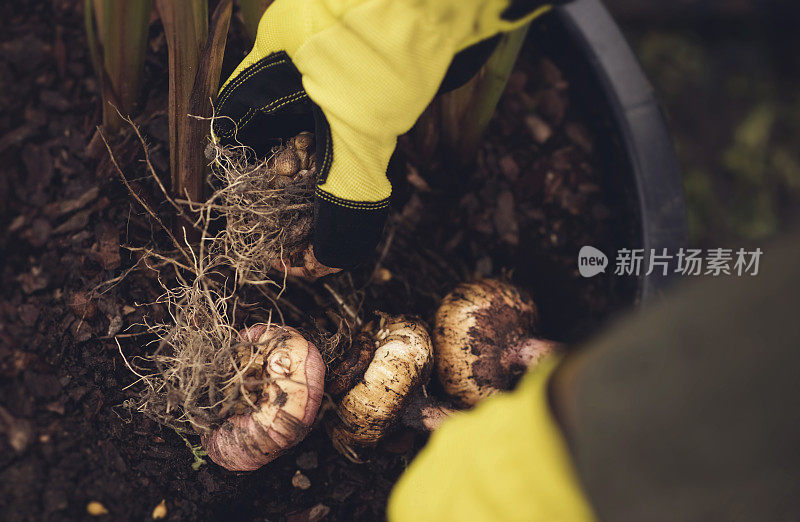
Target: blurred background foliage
{"type": "Point", "coordinates": [728, 75]}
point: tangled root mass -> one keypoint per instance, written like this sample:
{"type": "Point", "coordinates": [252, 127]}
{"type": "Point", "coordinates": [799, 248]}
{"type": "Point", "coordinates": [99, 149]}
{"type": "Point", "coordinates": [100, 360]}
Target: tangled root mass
{"type": "Point", "coordinates": [268, 204]}
{"type": "Point", "coordinates": [196, 377]}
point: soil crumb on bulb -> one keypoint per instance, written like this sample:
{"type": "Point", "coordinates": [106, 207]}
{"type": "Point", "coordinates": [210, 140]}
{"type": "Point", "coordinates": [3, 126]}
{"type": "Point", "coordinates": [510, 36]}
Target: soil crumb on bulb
{"type": "Point", "coordinates": [284, 377]}
{"type": "Point", "coordinates": [484, 340]}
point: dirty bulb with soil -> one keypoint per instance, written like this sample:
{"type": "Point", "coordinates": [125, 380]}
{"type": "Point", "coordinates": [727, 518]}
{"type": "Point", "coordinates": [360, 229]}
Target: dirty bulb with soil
{"type": "Point", "coordinates": [282, 390]}
{"type": "Point", "coordinates": [402, 361]}
{"type": "Point", "coordinates": [484, 340]}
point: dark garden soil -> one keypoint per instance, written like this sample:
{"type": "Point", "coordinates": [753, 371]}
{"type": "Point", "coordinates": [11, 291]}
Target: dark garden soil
{"type": "Point", "coordinates": [534, 197]}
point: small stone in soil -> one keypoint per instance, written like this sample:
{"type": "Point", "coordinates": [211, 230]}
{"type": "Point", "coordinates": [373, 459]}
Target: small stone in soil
{"type": "Point", "coordinates": [114, 326]}
{"type": "Point", "coordinates": [18, 362]}
{"type": "Point", "coordinates": [19, 433]}
{"type": "Point", "coordinates": [106, 249]}
{"type": "Point", "coordinates": [55, 407]}
{"type": "Point", "coordinates": [509, 167]}
{"type": "Point", "coordinates": [412, 210]}
{"type": "Point", "coordinates": [160, 511]}
{"type": "Point", "coordinates": [96, 509]}
{"type": "Point", "coordinates": [75, 223]}
{"type": "Point", "coordinates": [28, 314]}
{"type": "Point", "coordinates": [16, 224]}
{"type": "Point", "coordinates": [552, 74]}
{"type": "Point", "coordinates": [300, 481]}
{"type": "Point", "coordinates": [417, 181]}
{"type": "Point", "coordinates": [38, 233]}
{"type": "Point", "coordinates": [382, 276]}
{"type": "Point", "coordinates": [33, 281]}
{"type": "Point", "coordinates": [505, 219]}
{"type": "Point", "coordinates": [552, 105]}
{"type": "Point", "coordinates": [342, 490]}
{"type": "Point", "coordinates": [71, 205]}
{"type": "Point", "coordinates": [538, 128]}
{"type": "Point", "coordinates": [81, 331]}
{"type": "Point", "coordinates": [82, 305]}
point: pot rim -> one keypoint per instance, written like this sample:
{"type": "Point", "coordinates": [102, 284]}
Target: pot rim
{"type": "Point", "coordinates": [643, 132]}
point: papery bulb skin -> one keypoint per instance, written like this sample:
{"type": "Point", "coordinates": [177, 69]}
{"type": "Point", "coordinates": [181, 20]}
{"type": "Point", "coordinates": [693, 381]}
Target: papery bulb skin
{"type": "Point", "coordinates": [302, 144]}
{"type": "Point", "coordinates": [352, 366]}
{"type": "Point", "coordinates": [287, 406]}
{"type": "Point", "coordinates": [483, 339]}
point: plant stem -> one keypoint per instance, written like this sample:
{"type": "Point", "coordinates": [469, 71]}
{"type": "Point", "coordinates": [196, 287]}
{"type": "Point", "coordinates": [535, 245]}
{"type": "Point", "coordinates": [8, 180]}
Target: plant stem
{"type": "Point", "coordinates": [466, 111]}
{"type": "Point", "coordinates": [186, 29]}
{"type": "Point", "coordinates": [117, 36]}
{"type": "Point", "coordinates": [201, 98]}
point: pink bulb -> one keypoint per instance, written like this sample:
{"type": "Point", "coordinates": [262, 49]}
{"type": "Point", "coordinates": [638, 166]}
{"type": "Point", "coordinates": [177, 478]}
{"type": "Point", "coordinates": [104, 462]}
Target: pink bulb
{"type": "Point", "coordinates": [293, 376]}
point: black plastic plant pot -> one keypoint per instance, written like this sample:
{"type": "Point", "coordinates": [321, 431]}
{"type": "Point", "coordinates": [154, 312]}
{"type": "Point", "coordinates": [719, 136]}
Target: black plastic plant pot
{"type": "Point", "coordinates": [642, 177]}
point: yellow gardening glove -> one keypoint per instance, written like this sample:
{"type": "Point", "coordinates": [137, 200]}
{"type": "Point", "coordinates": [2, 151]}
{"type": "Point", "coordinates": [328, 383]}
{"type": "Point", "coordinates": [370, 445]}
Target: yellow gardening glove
{"type": "Point", "coordinates": [359, 73]}
{"type": "Point", "coordinates": [505, 460]}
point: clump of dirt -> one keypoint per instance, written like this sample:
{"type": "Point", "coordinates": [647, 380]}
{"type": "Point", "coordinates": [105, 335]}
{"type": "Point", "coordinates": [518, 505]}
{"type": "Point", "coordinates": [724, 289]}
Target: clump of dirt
{"type": "Point", "coordinates": [499, 326]}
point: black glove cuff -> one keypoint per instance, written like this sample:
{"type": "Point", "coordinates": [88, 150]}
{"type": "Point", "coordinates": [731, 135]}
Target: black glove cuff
{"type": "Point", "coordinates": [264, 103]}
{"type": "Point", "coordinates": [346, 232]}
